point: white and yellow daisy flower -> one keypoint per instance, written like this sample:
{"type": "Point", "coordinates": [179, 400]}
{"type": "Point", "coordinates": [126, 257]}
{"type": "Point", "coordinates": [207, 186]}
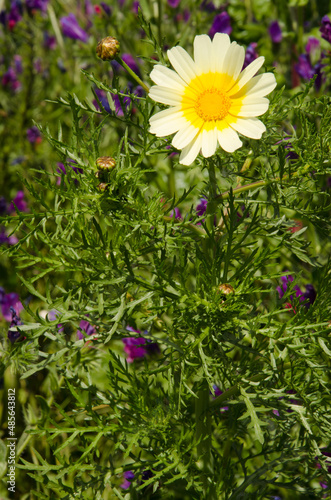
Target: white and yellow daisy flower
{"type": "Point", "coordinates": [210, 98]}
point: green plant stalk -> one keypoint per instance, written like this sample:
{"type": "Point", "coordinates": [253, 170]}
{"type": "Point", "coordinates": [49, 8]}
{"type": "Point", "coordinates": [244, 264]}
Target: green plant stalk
{"type": "Point", "coordinates": [203, 439]}
{"type": "Point", "coordinates": [132, 73]}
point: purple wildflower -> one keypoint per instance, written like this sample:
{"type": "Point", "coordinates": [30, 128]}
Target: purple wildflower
{"type": "Point", "coordinates": [7, 240]}
{"type": "Point", "coordinates": [176, 213]}
{"type": "Point", "coordinates": [102, 96]}
{"type": "Point", "coordinates": [19, 203]}
{"type": "Point", "coordinates": [131, 62]}
{"type": "Point", "coordinates": [218, 392]}
{"type": "Point", "coordinates": [62, 170]}
{"type": "Point", "coordinates": [309, 295]}
{"type": "Point", "coordinates": [18, 64]}
{"type": "Point", "coordinates": [306, 71]}
{"type": "Point", "coordinates": [52, 316]}
{"type": "Point", "coordinates": [71, 28]}
{"type": "Point", "coordinates": [138, 347]}
{"type": "Point", "coordinates": [49, 41]}
{"type": "Point", "coordinates": [201, 207]}
{"type": "Point", "coordinates": [33, 5]}
{"type": "Point", "coordinates": [128, 477]}
{"type": "Point", "coordinates": [87, 328]}
{"type": "Point", "coordinates": [33, 135]}
{"type": "Point", "coordinates": [221, 24]}
{"type": "Point", "coordinates": [250, 54]}
{"type": "Point", "coordinates": [14, 335]}
{"type": "Point", "coordinates": [283, 288]}
{"type": "Point", "coordinates": [325, 28]}
{"type": "Point", "coordinates": [312, 45]}
{"type": "Point", "coordinates": [173, 3]}
{"type": "Point", "coordinates": [135, 7]}
{"type": "Point", "coordinates": [15, 13]}
{"type": "Point", "coordinates": [9, 79]}
{"type": "Point", "coordinates": [207, 6]}
{"type": "Point", "coordinates": [106, 8]}
{"type": "Point", "coordinates": [275, 32]}
{"type": "Point", "coordinates": [8, 302]}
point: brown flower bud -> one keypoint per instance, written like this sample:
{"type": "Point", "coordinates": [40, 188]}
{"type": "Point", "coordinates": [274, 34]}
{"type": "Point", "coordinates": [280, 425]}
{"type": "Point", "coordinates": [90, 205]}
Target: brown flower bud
{"type": "Point", "coordinates": [105, 163]}
{"type": "Point", "coordinates": [225, 289]}
{"type": "Point", "coordinates": [102, 186]}
{"type": "Point", "coordinates": [108, 48]}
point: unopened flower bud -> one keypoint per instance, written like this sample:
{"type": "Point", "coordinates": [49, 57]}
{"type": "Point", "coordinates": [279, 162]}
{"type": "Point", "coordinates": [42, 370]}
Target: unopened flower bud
{"type": "Point", "coordinates": [108, 48]}
{"type": "Point", "coordinates": [102, 186]}
{"type": "Point", "coordinates": [105, 163]}
{"type": "Point", "coordinates": [225, 289]}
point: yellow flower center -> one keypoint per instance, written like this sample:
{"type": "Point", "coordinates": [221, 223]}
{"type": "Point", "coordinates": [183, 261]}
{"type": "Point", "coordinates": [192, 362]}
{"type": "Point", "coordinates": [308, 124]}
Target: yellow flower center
{"type": "Point", "coordinates": [212, 104]}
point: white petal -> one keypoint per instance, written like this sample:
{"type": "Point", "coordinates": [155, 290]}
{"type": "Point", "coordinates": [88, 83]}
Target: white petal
{"type": "Point", "coordinates": [209, 142]}
{"type": "Point", "coordinates": [167, 78]}
{"type": "Point", "coordinates": [182, 63]}
{"type": "Point", "coordinates": [184, 136]}
{"type": "Point", "coordinates": [167, 122]}
{"type": "Point", "coordinates": [229, 140]}
{"type": "Point", "coordinates": [221, 44]}
{"type": "Point", "coordinates": [165, 96]}
{"type": "Point", "coordinates": [191, 151]}
{"type": "Point", "coordinates": [249, 127]}
{"type": "Point", "coordinates": [259, 86]}
{"type": "Point", "coordinates": [250, 107]}
{"type": "Point", "coordinates": [234, 60]}
{"type": "Point", "coordinates": [247, 74]}
{"type": "Point", "coordinates": [202, 53]}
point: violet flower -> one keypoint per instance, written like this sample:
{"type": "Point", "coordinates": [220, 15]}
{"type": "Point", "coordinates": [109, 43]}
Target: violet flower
{"type": "Point", "coordinates": [5, 239]}
{"type": "Point", "coordinates": [283, 288]}
{"type": "Point", "coordinates": [218, 392]}
{"type": "Point", "coordinates": [207, 6]}
{"type": "Point", "coordinates": [173, 3]}
{"type": "Point", "coordinates": [106, 8]}
{"type": "Point", "coordinates": [176, 213]}
{"type": "Point", "coordinates": [52, 316]}
{"type": "Point", "coordinates": [15, 13]}
{"type": "Point", "coordinates": [138, 347]}
{"type": "Point", "coordinates": [325, 28]}
{"type": "Point", "coordinates": [62, 170]}
{"type": "Point", "coordinates": [128, 477]}
{"type": "Point", "coordinates": [250, 54]}
{"type": "Point", "coordinates": [9, 79]}
{"type": "Point", "coordinates": [19, 203]}
{"type": "Point", "coordinates": [275, 32]}
{"type": "Point", "coordinates": [221, 24]}
{"type": "Point", "coordinates": [71, 28]}
{"type": "Point", "coordinates": [308, 297]}
{"type": "Point", "coordinates": [307, 71]}
{"type": "Point", "coordinates": [131, 62]}
{"type": "Point", "coordinates": [33, 135]}
{"type": "Point", "coordinates": [3, 205]}
{"type": "Point", "coordinates": [102, 96]}
{"type": "Point", "coordinates": [14, 335]}
{"type": "Point", "coordinates": [33, 5]}
{"type": "Point", "coordinates": [8, 302]}
{"type": "Point", "coordinates": [87, 328]}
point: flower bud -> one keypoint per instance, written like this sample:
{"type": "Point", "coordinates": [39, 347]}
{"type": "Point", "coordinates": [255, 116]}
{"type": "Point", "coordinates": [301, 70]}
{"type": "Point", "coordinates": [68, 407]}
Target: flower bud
{"type": "Point", "coordinates": [105, 163]}
{"type": "Point", "coordinates": [103, 186]}
{"type": "Point", "coordinates": [108, 48]}
{"type": "Point", "coordinates": [225, 289]}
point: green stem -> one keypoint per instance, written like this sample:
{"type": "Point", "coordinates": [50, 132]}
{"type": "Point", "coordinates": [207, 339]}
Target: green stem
{"type": "Point", "coordinates": [132, 73]}
{"type": "Point", "coordinates": [235, 389]}
{"type": "Point", "coordinates": [203, 439]}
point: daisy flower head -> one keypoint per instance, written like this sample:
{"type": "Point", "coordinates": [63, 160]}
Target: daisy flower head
{"type": "Point", "coordinates": [211, 100]}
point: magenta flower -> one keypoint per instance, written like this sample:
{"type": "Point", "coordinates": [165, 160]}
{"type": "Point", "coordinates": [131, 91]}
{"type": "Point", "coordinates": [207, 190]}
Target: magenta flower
{"type": "Point", "coordinates": [71, 28]}
{"type": "Point", "coordinates": [176, 213]}
{"type": "Point", "coordinates": [33, 135]}
{"type": "Point", "coordinates": [10, 304]}
{"type": "Point", "coordinates": [325, 28]}
{"type": "Point", "coordinates": [62, 170]}
{"type": "Point", "coordinates": [19, 203]}
{"type": "Point", "coordinates": [218, 392]}
{"type": "Point", "coordinates": [308, 297]}
{"type": "Point", "coordinates": [250, 54]}
{"type": "Point", "coordinates": [173, 3]}
{"type": "Point", "coordinates": [275, 32]}
{"type": "Point", "coordinates": [138, 347]}
{"type": "Point", "coordinates": [221, 24]}
{"type": "Point", "coordinates": [85, 328]}
{"type": "Point", "coordinates": [128, 477]}
{"type": "Point", "coordinates": [7, 240]}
